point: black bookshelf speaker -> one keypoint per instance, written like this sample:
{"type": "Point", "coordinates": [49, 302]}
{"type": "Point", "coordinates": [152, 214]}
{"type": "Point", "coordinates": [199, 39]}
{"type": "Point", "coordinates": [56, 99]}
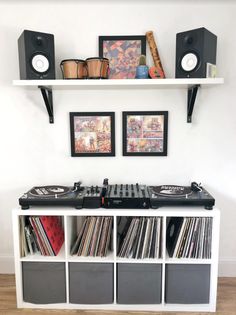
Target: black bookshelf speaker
{"type": "Point", "coordinates": [36, 55]}
{"type": "Point", "coordinates": [194, 49]}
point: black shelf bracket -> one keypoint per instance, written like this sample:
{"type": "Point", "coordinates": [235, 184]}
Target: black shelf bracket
{"type": "Point", "coordinates": [47, 97]}
{"type": "Point", "coordinates": [192, 93]}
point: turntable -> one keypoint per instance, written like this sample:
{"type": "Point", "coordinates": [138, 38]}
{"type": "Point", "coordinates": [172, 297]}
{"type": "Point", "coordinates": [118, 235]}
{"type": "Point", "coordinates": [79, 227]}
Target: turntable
{"type": "Point", "coordinates": [172, 195]}
{"type": "Point", "coordinates": [76, 196]}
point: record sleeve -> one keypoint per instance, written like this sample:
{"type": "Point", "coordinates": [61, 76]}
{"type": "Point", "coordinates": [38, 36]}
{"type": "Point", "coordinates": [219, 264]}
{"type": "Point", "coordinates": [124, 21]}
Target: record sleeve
{"type": "Point", "coordinates": [53, 231]}
{"type": "Point", "coordinates": [172, 233]}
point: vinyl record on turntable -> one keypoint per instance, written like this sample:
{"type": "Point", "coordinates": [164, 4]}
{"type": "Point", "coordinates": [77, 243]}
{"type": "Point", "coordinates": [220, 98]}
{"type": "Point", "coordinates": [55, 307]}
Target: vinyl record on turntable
{"type": "Point", "coordinates": [49, 191]}
{"type": "Point", "coordinates": [172, 191]}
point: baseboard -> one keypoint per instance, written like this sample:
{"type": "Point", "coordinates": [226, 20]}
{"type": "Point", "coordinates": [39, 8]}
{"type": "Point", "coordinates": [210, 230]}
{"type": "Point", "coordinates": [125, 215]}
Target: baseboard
{"type": "Point", "coordinates": [7, 264]}
{"type": "Point", "coordinates": [227, 267]}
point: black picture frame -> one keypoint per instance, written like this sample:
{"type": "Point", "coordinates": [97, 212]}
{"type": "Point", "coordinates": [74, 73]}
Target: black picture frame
{"type": "Point", "coordinates": [144, 142]}
{"type": "Point", "coordinates": [82, 133]}
{"type": "Point", "coordinates": [127, 72]}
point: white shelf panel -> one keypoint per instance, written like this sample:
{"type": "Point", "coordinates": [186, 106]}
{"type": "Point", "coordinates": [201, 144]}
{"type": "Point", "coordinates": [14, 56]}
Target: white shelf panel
{"type": "Point", "coordinates": [188, 261]}
{"type": "Point", "coordinates": [38, 257]}
{"type": "Point", "coordinates": [119, 83]}
{"type": "Point", "coordinates": [127, 307]}
{"type": "Point", "coordinates": [108, 259]}
{"type": "Point", "coordinates": [161, 212]}
{"type": "Point", "coordinates": [139, 261]}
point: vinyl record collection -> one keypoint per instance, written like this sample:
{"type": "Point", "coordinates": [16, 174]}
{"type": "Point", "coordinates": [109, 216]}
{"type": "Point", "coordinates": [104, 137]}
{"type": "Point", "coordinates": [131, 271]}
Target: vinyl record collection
{"type": "Point", "coordinates": [189, 237]}
{"type": "Point", "coordinates": [41, 234]}
{"type": "Point", "coordinates": [94, 237]}
{"type": "Point", "coordinates": [141, 238]}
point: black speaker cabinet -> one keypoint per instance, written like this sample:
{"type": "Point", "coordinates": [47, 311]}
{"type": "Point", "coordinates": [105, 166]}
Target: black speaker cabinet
{"type": "Point", "coordinates": [36, 55]}
{"type": "Point", "coordinates": [194, 49]}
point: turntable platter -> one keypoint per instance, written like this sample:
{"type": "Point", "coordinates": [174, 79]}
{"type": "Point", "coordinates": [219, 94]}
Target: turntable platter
{"type": "Point", "coordinates": [49, 191]}
{"type": "Point", "coordinates": [172, 191]}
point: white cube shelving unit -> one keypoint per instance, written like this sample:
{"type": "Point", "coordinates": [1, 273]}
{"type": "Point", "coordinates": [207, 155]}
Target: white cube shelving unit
{"type": "Point", "coordinates": [70, 215]}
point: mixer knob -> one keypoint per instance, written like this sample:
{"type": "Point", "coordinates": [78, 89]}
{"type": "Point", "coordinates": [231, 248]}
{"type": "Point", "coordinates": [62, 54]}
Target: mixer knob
{"type": "Point", "coordinates": [137, 186]}
{"type": "Point", "coordinates": [127, 193]}
{"type": "Point", "coordinates": [105, 181]}
{"type": "Point", "coordinates": [121, 186]}
{"type": "Point", "coordinates": [127, 186]}
{"type": "Point", "coordinates": [96, 189]}
{"type": "Point", "coordinates": [132, 194]}
{"type": "Point", "coordinates": [132, 187]}
{"type": "Point", "coordinates": [121, 193]}
{"type": "Point", "coordinates": [115, 192]}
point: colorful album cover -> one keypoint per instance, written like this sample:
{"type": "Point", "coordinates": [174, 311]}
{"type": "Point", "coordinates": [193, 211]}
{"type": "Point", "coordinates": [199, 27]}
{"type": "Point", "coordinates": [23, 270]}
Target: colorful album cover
{"type": "Point", "coordinates": [145, 133]}
{"type": "Point", "coordinates": [123, 57]}
{"type": "Point", "coordinates": [92, 134]}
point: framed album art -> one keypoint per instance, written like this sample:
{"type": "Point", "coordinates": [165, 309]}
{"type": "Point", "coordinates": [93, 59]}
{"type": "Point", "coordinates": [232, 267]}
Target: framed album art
{"type": "Point", "coordinates": [92, 134]}
{"type": "Point", "coordinates": [145, 133]}
{"type": "Point", "coordinates": [123, 53]}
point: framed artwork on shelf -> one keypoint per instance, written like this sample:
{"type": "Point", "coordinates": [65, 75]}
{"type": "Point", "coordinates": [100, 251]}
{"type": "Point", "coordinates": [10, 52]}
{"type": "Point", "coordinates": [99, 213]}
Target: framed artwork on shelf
{"type": "Point", "coordinates": [145, 133]}
{"type": "Point", "coordinates": [123, 53]}
{"type": "Point", "coordinates": [92, 133]}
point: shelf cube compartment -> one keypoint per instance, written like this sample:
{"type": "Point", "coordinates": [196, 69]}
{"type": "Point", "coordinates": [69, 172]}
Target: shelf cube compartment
{"type": "Point", "coordinates": [41, 235]}
{"type": "Point", "coordinates": [189, 237]}
{"type": "Point", "coordinates": [43, 282]}
{"type": "Point", "coordinates": [187, 283]}
{"type": "Point", "coordinates": [91, 283]}
{"type": "Point", "coordinates": [139, 283]}
{"type": "Point", "coordinates": [139, 237]}
{"type": "Point", "coordinates": [90, 236]}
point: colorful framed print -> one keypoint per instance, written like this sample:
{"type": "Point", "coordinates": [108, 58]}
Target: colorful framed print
{"type": "Point", "coordinates": [145, 133]}
{"type": "Point", "coordinates": [123, 53]}
{"type": "Point", "coordinates": [92, 134]}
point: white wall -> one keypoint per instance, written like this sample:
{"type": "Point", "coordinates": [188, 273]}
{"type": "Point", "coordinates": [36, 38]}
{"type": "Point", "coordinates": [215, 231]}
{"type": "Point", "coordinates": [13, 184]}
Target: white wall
{"type": "Point", "coordinates": [34, 152]}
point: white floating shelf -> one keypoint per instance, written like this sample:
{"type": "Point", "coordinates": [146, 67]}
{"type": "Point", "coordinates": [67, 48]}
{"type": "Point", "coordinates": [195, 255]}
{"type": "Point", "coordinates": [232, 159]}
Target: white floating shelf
{"type": "Point", "coordinates": [144, 83]}
{"type": "Point", "coordinates": [47, 86]}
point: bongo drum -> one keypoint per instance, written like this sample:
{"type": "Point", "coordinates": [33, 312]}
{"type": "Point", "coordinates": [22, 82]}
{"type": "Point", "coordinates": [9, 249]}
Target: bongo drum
{"type": "Point", "coordinates": [97, 68]}
{"type": "Point", "coordinates": [74, 69]}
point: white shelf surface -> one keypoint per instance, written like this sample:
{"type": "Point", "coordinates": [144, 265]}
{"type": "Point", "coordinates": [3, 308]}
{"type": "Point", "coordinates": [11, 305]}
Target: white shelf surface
{"type": "Point", "coordinates": [139, 261]}
{"type": "Point", "coordinates": [38, 257]}
{"type": "Point", "coordinates": [160, 212]}
{"type": "Point", "coordinates": [183, 261]}
{"type": "Point", "coordinates": [119, 83]}
{"type": "Point", "coordinates": [108, 259]}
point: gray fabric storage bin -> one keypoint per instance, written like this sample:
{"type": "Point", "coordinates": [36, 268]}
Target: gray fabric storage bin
{"type": "Point", "coordinates": [139, 283]}
{"type": "Point", "coordinates": [91, 283]}
{"type": "Point", "coordinates": [187, 284]}
{"type": "Point", "coordinates": [44, 282]}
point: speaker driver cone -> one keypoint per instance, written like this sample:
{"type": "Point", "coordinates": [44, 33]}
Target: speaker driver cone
{"type": "Point", "coordinates": [189, 62]}
{"type": "Point", "coordinates": [40, 63]}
